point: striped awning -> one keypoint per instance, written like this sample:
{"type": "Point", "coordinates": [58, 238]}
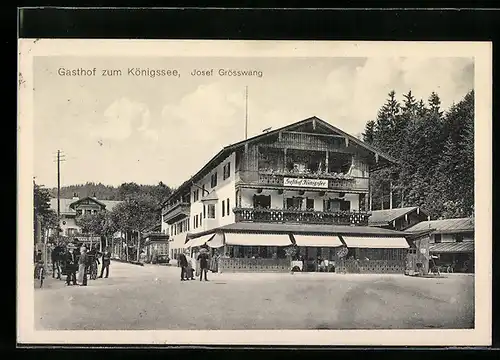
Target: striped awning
{"type": "Point", "coordinates": [258, 239]}
{"type": "Point", "coordinates": [199, 241]}
{"type": "Point", "coordinates": [317, 240]}
{"type": "Point", "coordinates": [454, 247]}
{"type": "Point", "coordinates": [376, 242]}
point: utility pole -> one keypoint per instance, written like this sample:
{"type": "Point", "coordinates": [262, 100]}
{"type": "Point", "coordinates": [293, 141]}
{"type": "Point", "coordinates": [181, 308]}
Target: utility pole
{"type": "Point", "coordinates": [60, 157]}
{"type": "Point", "coordinates": [246, 112]}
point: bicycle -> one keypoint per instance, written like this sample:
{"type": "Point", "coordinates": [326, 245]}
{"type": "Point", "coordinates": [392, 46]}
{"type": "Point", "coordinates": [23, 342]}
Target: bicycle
{"type": "Point", "coordinates": [40, 272]}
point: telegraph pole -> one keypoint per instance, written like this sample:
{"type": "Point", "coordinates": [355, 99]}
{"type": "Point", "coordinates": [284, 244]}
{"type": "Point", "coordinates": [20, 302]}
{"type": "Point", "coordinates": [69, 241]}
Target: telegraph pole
{"type": "Point", "coordinates": [60, 158]}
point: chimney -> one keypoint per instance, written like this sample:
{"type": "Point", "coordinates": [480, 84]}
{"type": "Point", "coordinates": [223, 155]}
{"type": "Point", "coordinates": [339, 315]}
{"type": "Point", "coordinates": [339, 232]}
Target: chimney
{"type": "Point", "coordinates": [75, 196]}
{"type": "Point", "coordinates": [93, 196]}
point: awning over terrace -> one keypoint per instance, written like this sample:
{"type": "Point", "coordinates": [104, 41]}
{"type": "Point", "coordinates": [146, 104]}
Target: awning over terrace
{"type": "Point", "coordinates": [199, 241]}
{"type": "Point", "coordinates": [257, 239]}
{"type": "Point", "coordinates": [317, 240]}
{"type": "Point", "coordinates": [376, 242]}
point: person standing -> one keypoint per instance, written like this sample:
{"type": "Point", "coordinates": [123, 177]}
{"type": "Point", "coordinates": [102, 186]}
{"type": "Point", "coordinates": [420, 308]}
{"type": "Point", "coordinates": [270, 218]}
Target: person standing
{"type": "Point", "coordinates": [83, 262]}
{"type": "Point", "coordinates": [203, 258]}
{"type": "Point", "coordinates": [183, 264]}
{"type": "Point", "coordinates": [191, 266]}
{"type": "Point", "coordinates": [70, 266]}
{"type": "Point", "coordinates": [106, 261]}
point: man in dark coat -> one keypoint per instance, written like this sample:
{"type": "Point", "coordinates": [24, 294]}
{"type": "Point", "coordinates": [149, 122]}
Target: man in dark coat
{"type": "Point", "coordinates": [70, 265]}
{"type": "Point", "coordinates": [184, 264]}
{"type": "Point", "coordinates": [56, 257]}
{"type": "Point", "coordinates": [106, 261]}
{"type": "Point", "coordinates": [203, 259]}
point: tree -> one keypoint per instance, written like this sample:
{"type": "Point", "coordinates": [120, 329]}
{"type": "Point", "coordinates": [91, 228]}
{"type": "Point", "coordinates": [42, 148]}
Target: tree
{"type": "Point", "coordinates": [369, 132]}
{"type": "Point", "coordinates": [134, 215]}
{"type": "Point", "coordinates": [43, 216]}
{"type": "Point", "coordinates": [128, 189]}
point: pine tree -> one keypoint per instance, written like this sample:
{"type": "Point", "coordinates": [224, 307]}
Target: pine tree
{"type": "Point", "coordinates": [369, 132]}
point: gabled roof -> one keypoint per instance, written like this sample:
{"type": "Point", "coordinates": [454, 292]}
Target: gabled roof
{"type": "Point", "coordinates": [230, 148]}
{"type": "Point", "coordinates": [76, 202]}
{"type": "Point", "coordinates": [445, 226]}
{"type": "Point", "coordinates": [67, 209]}
{"type": "Point", "coordinates": [384, 217]}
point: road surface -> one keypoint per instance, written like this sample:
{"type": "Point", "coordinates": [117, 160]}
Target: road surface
{"type": "Point", "coordinates": [153, 298]}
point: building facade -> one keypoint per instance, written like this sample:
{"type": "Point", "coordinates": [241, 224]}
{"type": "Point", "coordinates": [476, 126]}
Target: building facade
{"type": "Point", "coordinates": [303, 187]}
{"type": "Point", "coordinates": [451, 242]}
{"type": "Point", "coordinates": [70, 209]}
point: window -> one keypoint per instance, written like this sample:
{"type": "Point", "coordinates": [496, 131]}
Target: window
{"type": "Point", "coordinates": [94, 211]}
{"type": "Point", "coordinates": [437, 238]}
{"type": "Point", "coordinates": [203, 191]}
{"type": "Point", "coordinates": [213, 180]}
{"type": "Point", "coordinates": [211, 211]}
{"type": "Point", "coordinates": [226, 171]}
{"type": "Point", "coordinates": [196, 195]}
{"type": "Point", "coordinates": [227, 205]}
{"type": "Point", "coordinates": [336, 205]}
{"type": "Point", "coordinates": [262, 201]}
{"type": "Point", "coordinates": [201, 221]}
{"type": "Point", "coordinates": [88, 212]}
{"type": "Point", "coordinates": [310, 204]}
{"type": "Point", "coordinates": [223, 208]}
{"type": "Point", "coordinates": [204, 212]}
{"type": "Point", "coordinates": [294, 203]}
{"type": "Point", "coordinates": [459, 238]}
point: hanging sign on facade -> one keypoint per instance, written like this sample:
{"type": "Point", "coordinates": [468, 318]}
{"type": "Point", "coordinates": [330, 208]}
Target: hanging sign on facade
{"type": "Point", "coordinates": [310, 183]}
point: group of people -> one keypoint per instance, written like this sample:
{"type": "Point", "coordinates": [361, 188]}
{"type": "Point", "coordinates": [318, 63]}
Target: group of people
{"type": "Point", "coordinates": [188, 264]}
{"type": "Point", "coordinates": [72, 260]}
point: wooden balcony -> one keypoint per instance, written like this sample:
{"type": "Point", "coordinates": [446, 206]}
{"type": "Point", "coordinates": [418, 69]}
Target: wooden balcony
{"type": "Point", "coordinates": [308, 141]}
{"type": "Point", "coordinates": [176, 212]}
{"type": "Point", "coordinates": [335, 181]}
{"type": "Point", "coordinates": [301, 216]}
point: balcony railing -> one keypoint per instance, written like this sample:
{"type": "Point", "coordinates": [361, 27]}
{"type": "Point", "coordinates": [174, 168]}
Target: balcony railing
{"type": "Point", "coordinates": [176, 211]}
{"type": "Point", "coordinates": [301, 216]}
{"type": "Point", "coordinates": [336, 181]}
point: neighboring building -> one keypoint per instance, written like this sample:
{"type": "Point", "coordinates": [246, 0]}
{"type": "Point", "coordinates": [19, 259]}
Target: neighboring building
{"type": "Point", "coordinates": [305, 184]}
{"type": "Point", "coordinates": [451, 241]}
{"type": "Point", "coordinates": [397, 218]}
{"type": "Point", "coordinates": [71, 208]}
{"type": "Point", "coordinates": [156, 243]}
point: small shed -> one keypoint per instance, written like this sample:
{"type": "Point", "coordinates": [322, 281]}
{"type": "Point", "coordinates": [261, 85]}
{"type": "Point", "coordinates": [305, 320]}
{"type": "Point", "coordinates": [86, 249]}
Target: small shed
{"type": "Point", "coordinates": [397, 219]}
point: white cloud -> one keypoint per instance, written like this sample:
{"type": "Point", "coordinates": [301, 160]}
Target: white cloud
{"type": "Point", "coordinates": [357, 94]}
{"type": "Point", "coordinates": [120, 120]}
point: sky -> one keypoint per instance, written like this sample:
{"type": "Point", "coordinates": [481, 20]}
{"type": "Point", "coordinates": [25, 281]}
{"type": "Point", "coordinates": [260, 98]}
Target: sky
{"type": "Point", "coordinates": [141, 129]}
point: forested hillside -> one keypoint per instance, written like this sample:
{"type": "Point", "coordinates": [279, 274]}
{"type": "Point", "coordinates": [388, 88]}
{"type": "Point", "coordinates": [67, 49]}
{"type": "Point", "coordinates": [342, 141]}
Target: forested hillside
{"type": "Point", "coordinates": [107, 192]}
{"type": "Point", "coordinates": [435, 148]}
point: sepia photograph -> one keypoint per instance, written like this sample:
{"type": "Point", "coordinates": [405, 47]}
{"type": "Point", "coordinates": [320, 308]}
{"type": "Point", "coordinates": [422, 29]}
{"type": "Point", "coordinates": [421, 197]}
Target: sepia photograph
{"type": "Point", "coordinates": [254, 187]}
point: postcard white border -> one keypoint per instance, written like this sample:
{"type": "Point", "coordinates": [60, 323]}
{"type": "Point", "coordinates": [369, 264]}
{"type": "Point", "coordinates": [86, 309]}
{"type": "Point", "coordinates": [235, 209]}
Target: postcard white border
{"type": "Point", "coordinates": [480, 51]}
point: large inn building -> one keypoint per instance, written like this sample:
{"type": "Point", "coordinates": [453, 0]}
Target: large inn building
{"type": "Point", "coordinates": [306, 184]}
